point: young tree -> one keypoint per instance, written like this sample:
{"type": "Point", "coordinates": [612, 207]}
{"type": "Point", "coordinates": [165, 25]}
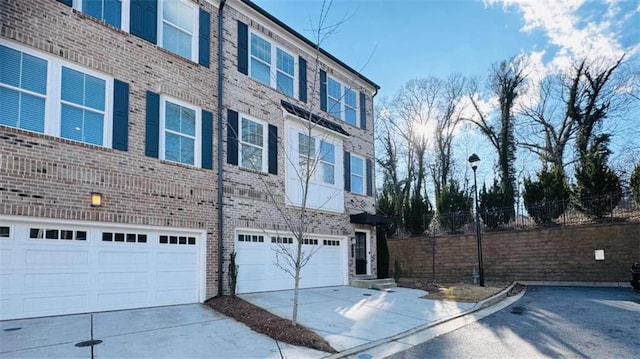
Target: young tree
{"type": "Point", "coordinates": [598, 189]}
{"type": "Point", "coordinates": [547, 198]}
{"type": "Point", "coordinates": [418, 214]}
{"type": "Point", "coordinates": [506, 80]}
{"type": "Point", "coordinates": [454, 207]}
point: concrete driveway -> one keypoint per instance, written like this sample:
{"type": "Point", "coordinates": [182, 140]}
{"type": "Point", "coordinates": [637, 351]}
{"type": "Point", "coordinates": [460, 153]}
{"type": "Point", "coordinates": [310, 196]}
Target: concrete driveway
{"type": "Point", "coordinates": [182, 331]}
{"type": "Point", "coordinates": [348, 317]}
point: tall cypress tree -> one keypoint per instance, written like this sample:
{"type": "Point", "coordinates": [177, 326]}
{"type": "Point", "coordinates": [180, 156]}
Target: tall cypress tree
{"type": "Point", "coordinates": [546, 198]}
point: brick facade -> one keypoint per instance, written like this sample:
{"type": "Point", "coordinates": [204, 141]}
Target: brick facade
{"type": "Point", "coordinates": [46, 176]}
{"type": "Point", "coordinates": [563, 254]}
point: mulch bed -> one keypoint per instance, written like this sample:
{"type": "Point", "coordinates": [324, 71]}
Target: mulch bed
{"type": "Point", "coordinates": [264, 322]}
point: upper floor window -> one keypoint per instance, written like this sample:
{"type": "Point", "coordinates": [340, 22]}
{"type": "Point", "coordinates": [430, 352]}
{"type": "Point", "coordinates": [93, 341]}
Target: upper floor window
{"type": "Point", "coordinates": [76, 106]}
{"type": "Point", "coordinates": [357, 174]}
{"type": "Point", "coordinates": [109, 11]}
{"type": "Point", "coordinates": [179, 27]}
{"type": "Point", "coordinates": [342, 102]}
{"type": "Point", "coordinates": [279, 74]}
{"type": "Point", "coordinates": [180, 136]}
{"type": "Point", "coordinates": [252, 145]}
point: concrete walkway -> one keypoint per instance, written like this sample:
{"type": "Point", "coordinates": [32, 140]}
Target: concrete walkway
{"type": "Point", "coordinates": [182, 331]}
{"type": "Point", "coordinates": [349, 317]}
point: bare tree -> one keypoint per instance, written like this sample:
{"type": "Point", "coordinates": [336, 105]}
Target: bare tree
{"type": "Point", "coordinates": [505, 81]}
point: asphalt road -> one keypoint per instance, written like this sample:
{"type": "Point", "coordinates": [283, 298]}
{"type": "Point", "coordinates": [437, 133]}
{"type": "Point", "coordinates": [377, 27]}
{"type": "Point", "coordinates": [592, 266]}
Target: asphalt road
{"type": "Point", "coordinates": [555, 322]}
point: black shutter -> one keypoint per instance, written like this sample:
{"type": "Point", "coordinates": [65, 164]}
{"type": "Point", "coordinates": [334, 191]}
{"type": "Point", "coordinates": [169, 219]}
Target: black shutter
{"type": "Point", "coordinates": [273, 150]}
{"type": "Point", "coordinates": [302, 79]}
{"type": "Point", "coordinates": [143, 19]}
{"type": "Point", "coordinates": [152, 131]}
{"type": "Point", "coordinates": [369, 178]}
{"type": "Point", "coordinates": [120, 134]}
{"type": "Point", "coordinates": [204, 52]}
{"type": "Point", "coordinates": [66, 2]}
{"type": "Point", "coordinates": [347, 171]}
{"type": "Point", "coordinates": [323, 90]}
{"type": "Point", "coordinates": [243, 48]}
{"type": "Point", "coordinates": [207, 139]}
{"type": "Point", "coordinates": [363, 111]}
{"type": "Point", "coordinates": [232, 137]}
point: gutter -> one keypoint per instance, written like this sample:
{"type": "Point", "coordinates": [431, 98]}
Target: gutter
{"type": "Point", "coordinates": [220, 157]}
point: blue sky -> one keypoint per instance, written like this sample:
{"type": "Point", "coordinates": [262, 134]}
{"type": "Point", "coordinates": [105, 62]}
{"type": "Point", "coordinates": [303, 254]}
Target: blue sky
{"type": "Point", "coordinates": [392, 42]}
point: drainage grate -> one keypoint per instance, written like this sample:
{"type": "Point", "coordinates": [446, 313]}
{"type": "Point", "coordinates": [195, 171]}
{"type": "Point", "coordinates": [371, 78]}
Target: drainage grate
{"type": "Point", "coordinates": [88, 343]}
{"type": "Point", "coordinates": [364, 356]}
{"type": "Point", "coordinates": [12, 329]}
{"type": "Point", "coordinates": [366, 294]}
{"type": "Point", "coordinates": [518, 310]}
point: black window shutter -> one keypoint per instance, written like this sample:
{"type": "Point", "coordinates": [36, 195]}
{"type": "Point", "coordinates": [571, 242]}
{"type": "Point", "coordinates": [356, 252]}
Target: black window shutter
{"type": "Point", "coordinates": [363, 111]}
{"type": "Point", "coordinates": [120, 135]}
{"type": "Point", "coordinates": [323, 90]}
{"type": "Point", "coordinates": [66, 2]}
{"type": "Point", "coordinates": [207, 139]}
{"type": "Point", "coordinates": [273, 150]}
{"type": "Point", "coordinates": [204, 52]}
{"type": "Point", "coordinates": [232, 137]}
{"type": "Point", "coordinates": [302, 79]}
{"type": "Point", "coordinates": [347, 171]}
{"type": "Point", "coordinates": [243, 48]}
{"type": "Point", "coordinates": [369, 178]}
{"type": "Point", "coordinates": [152, 134]}
{"type": "Point", "coordinates": [143, 19]}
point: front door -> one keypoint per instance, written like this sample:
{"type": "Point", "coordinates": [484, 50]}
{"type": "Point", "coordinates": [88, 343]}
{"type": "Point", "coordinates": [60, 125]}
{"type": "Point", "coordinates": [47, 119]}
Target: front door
{"type": "Point", "coordinates": [361, 253]}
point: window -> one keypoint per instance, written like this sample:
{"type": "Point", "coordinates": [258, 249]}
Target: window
{"type": "Point", "coordinates": [5, 232]}
{"type": "Point", "coordinates": [252, 145]}
{"type": "Point", "coordinates": [342, 102]}
{"type": "Point", "coordinates": [327, 162]}
{"type": "Point", "coordinates": [357, 174]}
{"type": "Point", "coordinates": [307, 155]}
{"type": "Point", "coordinates": [23, 90]}
{"type": "Point", "coordinates": [76, 106]}
{"type": "Point", "coordinates": [279, 74]}
{"type": "Point", "coordinates": [179, 27]}
{"type": "Point", "coordinates": [180, 135]}
{"type": "Point", "coordinates": [60, 234]}
{"type": "Point", "coordinates": [176, 240]}
{"type": "Point", "coordinates": [109, 11]}
{"type": "Point", "coordinates": [250, 238]}
{"type": "Point", "coordinates": [82, 107]}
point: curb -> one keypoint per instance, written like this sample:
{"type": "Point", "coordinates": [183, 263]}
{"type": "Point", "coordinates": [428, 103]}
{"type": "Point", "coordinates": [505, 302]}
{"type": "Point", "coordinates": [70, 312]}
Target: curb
{"type": "Point", "coordinates": [576, 284]}
{"type": "Point", "coordinates": [479, 306]}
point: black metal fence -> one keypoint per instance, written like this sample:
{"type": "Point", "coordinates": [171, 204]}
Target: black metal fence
{"type": "Point", "coordinates": [626, 210]}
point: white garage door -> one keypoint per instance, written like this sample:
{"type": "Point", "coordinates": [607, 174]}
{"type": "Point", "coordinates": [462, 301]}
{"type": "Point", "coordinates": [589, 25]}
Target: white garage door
{"type": "Point", "coordinates": [63, 268]}
{"type": "Point", "coordinates": [257, 255]}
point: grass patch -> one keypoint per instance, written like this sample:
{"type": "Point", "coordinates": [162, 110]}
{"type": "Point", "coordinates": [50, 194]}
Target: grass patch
{"type": "Point", "coordinates": [457, 292]}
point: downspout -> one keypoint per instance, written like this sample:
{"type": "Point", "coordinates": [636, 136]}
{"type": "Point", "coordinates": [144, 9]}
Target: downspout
{"type": "Point", "coordinates": [220, 157]}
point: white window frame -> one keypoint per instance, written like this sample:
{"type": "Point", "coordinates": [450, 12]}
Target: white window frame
{"type": "Point", "coordinates": [273, 66]}
{"type": "Point", "coordinates": [363, 176]}
{"type": "Point", "coordinates": [265, 142]}
{"type": "Point", "coordinates": [196, 27]}
{"type": "Point", "coordinates": [343, 102]}
{"type": "Point", "coordinates": [321, 161]}
{"type": "Point", "coordinates": [197, 147]}
{"type": "Point", "coordinates": [53, 107]}
{"type": "Point", "coordinates": [124, 14]}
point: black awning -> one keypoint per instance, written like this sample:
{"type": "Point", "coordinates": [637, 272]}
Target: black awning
{"type": "Point", "coordinates": [305, 115]}
{"type": "Point", "coordinates": [370, 219]}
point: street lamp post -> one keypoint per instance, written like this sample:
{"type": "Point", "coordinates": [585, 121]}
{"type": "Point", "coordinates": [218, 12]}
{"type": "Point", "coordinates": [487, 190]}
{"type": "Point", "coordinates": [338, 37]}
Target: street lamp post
{"type": "Point", "coordinates": [472, 160]}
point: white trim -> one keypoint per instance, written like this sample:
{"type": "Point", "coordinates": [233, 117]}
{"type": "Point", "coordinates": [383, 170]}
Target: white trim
{"type": "Point", "coordinates": [195, 34]}
{"type": "Point", "coordinates": [53, 108]}
{"type": "Point", "coordinates": [197, 148]}
{"type": "Point", "coordinates": [273, 66]}
{"type": "Point", "coordinates": [265, 142]}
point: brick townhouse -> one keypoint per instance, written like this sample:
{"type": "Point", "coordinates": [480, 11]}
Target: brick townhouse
{"type": "Point", "coordinates": [142, 141]}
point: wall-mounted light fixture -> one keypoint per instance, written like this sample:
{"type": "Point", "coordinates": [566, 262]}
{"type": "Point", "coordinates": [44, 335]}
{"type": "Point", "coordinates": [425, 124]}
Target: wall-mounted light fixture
{"type": "Point", "coordinates": [96, 199]}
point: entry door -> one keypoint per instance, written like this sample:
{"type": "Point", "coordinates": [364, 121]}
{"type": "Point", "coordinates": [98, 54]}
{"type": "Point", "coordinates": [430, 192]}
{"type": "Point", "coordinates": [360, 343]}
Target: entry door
{"type": "Point", "coordinates": [361, 253]}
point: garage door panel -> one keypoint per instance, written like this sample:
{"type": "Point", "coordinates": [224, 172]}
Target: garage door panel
{"type": "Point", "coordinates": [123, 257]}
{"type": "Point", "coordinates": [56, 303]}
{"type": "Point", "coordinates": [5, 257]}
{"type": "Point", "coordinates": [176, 259]}
{"type": "Point", "coordinates": [179, 279]}
{"type": "Point", "coordinates": [6, 282]}
{"type": "Point", "coordinates": [110, 280]}
{"type": "Point", "coordinates": [54, 281]}
{"type": "Point", "coordinates": [61, 257]}
{"type": "Point", "coordinates": [121, 299]}
{"type": "Point", "coordinates": [172, 296]}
